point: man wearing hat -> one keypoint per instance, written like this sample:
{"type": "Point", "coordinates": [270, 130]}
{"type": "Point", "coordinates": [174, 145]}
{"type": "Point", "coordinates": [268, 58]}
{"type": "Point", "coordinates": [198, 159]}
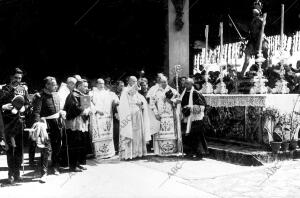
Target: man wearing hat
{"type": "Point", "coordinates": [13, 98]}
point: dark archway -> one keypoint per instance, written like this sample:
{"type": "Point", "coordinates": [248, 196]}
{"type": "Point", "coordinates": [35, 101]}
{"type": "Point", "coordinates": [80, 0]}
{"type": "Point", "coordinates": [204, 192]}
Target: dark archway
{"type": "Point", "coordinates": [116, 38]}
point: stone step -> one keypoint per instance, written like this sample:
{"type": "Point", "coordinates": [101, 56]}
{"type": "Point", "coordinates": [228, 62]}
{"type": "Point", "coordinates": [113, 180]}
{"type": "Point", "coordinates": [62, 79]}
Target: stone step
{"type": "Point", "coordinates": [246, 155]}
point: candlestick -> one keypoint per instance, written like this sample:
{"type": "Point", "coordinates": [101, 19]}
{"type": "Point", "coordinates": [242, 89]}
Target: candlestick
{"type": "Point", "coordinates": [207, 86]}
{"type": "Point", "coordinates": [281, 85]}
{"type": "Point", "coordinates": [282, 26]}
{"type": "Point", "coordinates": [259, 80]}
{"type": "Point", "coordinates": [221, 41]}
{"type": "Point", "coordinates": [221, 87]}
{"type": "Point", "coordinates": [206, 42]}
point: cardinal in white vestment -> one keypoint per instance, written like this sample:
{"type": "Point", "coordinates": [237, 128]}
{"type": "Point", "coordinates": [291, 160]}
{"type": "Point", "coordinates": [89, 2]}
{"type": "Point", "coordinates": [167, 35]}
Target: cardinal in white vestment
{"type": "Point", "coordinates": [102, 120]}
{"type": "Point", "coordinates": [163, 103]}
{"type": "Point", "coordinates": [134, 122]}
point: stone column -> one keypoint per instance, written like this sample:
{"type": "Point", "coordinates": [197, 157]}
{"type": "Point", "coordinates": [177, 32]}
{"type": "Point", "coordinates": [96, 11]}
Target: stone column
{"type": "Point", "coordinates": [178, 41]}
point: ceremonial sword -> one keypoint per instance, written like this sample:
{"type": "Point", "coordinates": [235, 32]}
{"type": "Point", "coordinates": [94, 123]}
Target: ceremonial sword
{"type": "Point", "coordinates": [235, 28]}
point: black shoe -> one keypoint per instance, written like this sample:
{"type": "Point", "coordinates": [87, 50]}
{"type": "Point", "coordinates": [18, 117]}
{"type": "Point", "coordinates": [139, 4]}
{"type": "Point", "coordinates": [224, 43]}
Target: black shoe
{"type": "Point", "coordinates": [199, 157]}
{"type": "Point", "coordinates": [76, 170]}
{"type": "Point", "coordinates": [81, 167]}
{"type": "Point", "coordinates": [189, 156]}
{"type": "Point", "coordinates": [18, 179]}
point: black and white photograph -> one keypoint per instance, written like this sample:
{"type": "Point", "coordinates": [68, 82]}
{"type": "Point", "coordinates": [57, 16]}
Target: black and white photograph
{"type": "Point", "coordinates": [149, 98]}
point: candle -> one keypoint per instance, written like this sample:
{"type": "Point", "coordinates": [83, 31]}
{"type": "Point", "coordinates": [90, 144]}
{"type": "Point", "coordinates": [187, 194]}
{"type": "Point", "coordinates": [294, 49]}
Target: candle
{"type": "Point", "coordinates": [206, 42]}
{"type": "Point", "coordinates": [221, 41]}
{"type": "Point", "coordinates": [282, 27]}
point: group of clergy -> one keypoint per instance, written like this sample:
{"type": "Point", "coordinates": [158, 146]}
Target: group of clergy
{"type": "Point", "coordinates": [122, 122]}
{"type": "Point", "coordinates": [172, 121]}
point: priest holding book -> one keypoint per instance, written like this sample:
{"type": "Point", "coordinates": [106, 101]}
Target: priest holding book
{"type": "Point", "coordinates": [78, 110]}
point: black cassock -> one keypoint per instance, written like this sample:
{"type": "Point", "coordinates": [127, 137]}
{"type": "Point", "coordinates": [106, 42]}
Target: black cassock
{"type": "Point", "coordinates": [194, 143]}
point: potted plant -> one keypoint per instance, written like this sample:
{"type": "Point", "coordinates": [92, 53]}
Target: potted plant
{"type": "Point", "coordinates": [295, 127]}
{"type": "Point", "coordinates": [285, 126]}
{"type": "Point", "coordinates": [290, 129]}
{"type": "Point", "coordinates": [285, 138]}
{"type": "Point", "coordinates": [270, 116]}
{"type": "Point", "coordinates": [294, 142]}
{"type": "Point", "coordinates": [277, 142]}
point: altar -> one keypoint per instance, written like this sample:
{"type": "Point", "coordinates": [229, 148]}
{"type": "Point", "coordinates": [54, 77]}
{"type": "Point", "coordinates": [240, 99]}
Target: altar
{"type": "Point", "coordinates": [250, 119]}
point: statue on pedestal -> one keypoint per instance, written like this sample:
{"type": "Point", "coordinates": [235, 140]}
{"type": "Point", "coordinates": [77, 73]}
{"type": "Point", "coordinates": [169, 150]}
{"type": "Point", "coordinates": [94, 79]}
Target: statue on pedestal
{"type": "Point", "coordinates": [254, 37]}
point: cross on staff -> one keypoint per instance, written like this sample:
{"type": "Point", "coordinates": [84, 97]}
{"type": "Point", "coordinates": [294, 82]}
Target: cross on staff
{"type": "Point", "coordinates": [282, 27]}
{"type": "Point", "coordinates": [177, 70]}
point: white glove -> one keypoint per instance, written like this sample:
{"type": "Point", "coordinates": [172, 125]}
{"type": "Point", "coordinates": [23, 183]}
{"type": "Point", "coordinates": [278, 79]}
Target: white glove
{"type": "Point", "coordinates": [7, 106]}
